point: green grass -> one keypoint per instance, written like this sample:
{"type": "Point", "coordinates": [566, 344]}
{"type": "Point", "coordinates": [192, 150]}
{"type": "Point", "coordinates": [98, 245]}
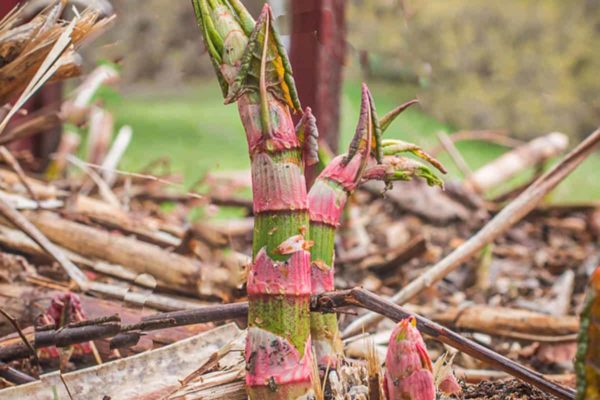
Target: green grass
{"type": "Point", "coordinates": [198, 133]}
{"type": "Point", "coordinates": [190, 127]}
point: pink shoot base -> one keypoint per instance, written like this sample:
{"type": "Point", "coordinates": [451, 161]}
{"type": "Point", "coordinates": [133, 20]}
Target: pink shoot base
{"type": "Point", "coordinates": [271, 359]}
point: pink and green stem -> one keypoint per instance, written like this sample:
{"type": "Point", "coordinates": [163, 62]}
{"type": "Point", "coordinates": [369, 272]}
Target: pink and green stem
{"type": "Point", "coordinates": [587, 361]}
{"type": "Point", "coordinates": [253, 71]}
{"type": "Point", "coordinates": [369, 157]}
{"type": "Point", "coordinates": [327, 199]}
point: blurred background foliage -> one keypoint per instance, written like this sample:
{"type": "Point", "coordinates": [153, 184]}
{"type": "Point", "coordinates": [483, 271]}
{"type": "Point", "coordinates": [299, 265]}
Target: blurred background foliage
{"type": "Point", "coordinates": [157, 41]}
{"type": "Point", "coordinates": [531, 66]}
{"type": "Point", "coordinates": [528, 66]}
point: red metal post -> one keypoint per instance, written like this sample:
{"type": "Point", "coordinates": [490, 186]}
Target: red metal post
{"type": "Point", "coordinates": [6, 6]}
{"type": "Point", "coordinates": [317, 54]}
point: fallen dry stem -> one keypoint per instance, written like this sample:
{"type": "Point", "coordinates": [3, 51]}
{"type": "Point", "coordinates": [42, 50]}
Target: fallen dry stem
{"type": "Point", "coordinates": [17, 328]}
{"type": "Point", "coordinates": [511, 163]}
{"type": "Point", "coordinates": [30, 125]}
{"type": "Point", "coordinates": [365, 299]}
{"type": "Point", "coordinates": [14, 376]}
{"type": "Point", "coordinates": [137, 255]}
{"type": "Point", "coordinates": [326, 302]}
{"type": "Point", "coordinates": [17, 219]}
{"type": "Point", "coordinates": [454, 154]}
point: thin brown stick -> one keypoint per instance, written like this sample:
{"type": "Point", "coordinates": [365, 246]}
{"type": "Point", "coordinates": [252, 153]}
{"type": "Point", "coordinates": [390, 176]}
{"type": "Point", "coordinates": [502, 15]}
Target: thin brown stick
{"type": "Point", "coordinates": [147, 177]}
{"type": "Point", "coordinates": [365, 299]}
{"type": "Point", "coordinates": [454, 154]}
{"type": "Point", "coordinates": [14, 376]}
{"type": "Point", "coordinates": [62, 379]}
{"type": "Point", "coordinates": [17, 328]}
{"type": "Point", "coordinates": [108, 327]}
{"type": "Point", "coordinates": [498, 137]}
{"type": "Point", "coordinates": [105, 191]}
{"type": "Point", "coordinates": [509, 216]}
{"type": "Point", "coordinates": [326, 302]}
{"type": "Point", "coordinates": [14, 165]}
{"type": "Point", "coordinates": [60, 338]}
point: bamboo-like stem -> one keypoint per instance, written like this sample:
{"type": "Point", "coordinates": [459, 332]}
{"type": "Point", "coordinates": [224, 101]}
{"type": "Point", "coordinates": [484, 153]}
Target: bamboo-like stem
{"type": "Point", "coordinates": [327, 199]}
{"type": "Point", "coordinates": [587, 362]}
{"type": "Point", "coordinates": [253, 71]}
{"type": "Point", "coordinates": [369, 157]}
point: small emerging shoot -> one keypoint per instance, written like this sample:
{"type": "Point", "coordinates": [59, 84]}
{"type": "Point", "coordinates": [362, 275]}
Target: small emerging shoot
{"type": "Point", "coordinates": [408, 374]}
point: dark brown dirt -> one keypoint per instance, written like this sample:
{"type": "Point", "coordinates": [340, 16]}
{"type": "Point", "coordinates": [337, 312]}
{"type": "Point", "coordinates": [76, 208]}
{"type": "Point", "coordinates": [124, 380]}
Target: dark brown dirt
{"type": "Point", "coordinates": [504, 390]}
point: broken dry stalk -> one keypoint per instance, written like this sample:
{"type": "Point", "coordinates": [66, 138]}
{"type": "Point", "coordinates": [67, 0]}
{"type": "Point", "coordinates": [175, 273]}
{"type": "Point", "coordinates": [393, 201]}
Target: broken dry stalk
{"type": "Point", "coordinates": [408, 374]}
{"type": "Point", "coordinates": [47, 52]}
{"type": "Point", "coordinates": [141, 257]}
{"type": "Point", "coordinates": [587, 362]}
{"type": "Point", "coordinates": [445, 380]}
{"type": "Point", "coordinates": [16, 167]}
{"type": "Point", "coordinates": [76, 110]}
{"type": "Point", "coordinates": [511, 163]}
{"type": "Point", "coordinates": [326, 302]}
{"type": "Point", "coordinates": [19, 221]}
{"type": "Point", "coordinates": [374, 372]}
{"type": "Point", "coordinates": [253, 70]}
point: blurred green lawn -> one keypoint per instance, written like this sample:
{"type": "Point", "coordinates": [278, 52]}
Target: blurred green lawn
{"type": "Point", "coordinates": [192, 127]}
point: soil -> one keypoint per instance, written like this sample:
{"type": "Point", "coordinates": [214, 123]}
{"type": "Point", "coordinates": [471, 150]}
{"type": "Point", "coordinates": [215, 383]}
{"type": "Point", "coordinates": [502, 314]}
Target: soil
{"type": "Point", "coordinates": [504, 390]}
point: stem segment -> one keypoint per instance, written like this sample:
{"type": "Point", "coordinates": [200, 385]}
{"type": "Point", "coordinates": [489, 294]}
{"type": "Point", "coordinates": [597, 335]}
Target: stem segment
{"type": "Point", "coordinates": [368, 157]}
{"type": "Point", "coordinates": [254, 72]}
{"type": "Point", "coordinates": [327, 199]}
